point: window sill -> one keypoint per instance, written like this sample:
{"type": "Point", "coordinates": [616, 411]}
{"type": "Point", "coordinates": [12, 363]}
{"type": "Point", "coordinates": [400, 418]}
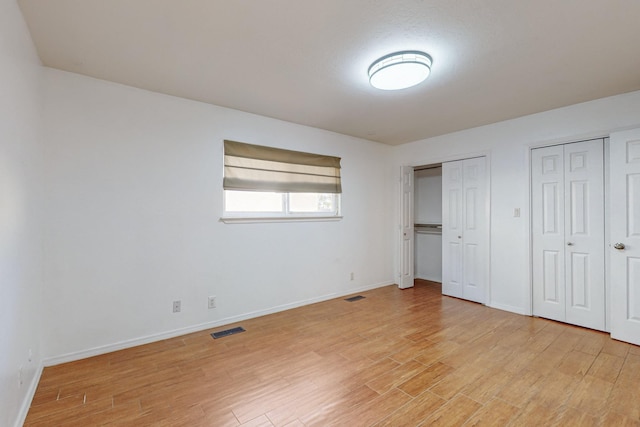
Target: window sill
{"type": "Point", "coordinates": [261, 219]}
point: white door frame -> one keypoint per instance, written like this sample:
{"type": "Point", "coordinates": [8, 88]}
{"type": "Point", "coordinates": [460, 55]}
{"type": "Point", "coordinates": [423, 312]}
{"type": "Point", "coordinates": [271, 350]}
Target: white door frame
{"type": "Point", "coordinates": [435, 160]}
{"type": "Point", "coordinates": [607, 288]}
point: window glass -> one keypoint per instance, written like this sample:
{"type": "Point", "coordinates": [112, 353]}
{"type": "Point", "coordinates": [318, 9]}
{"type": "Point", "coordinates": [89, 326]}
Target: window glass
{"type": "Point", "coordinates": [312, 202]}
{"type": "Point", "coordinates": [270, 204]}
{"type": "Point", "coordinates": [253, 201]}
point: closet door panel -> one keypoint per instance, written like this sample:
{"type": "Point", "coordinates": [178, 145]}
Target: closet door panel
{"type": "Point", "coordinates": [584, 185]}
{"type": "Point", "coordinates": [632, 288]}
{"type": "Point", "coordinates": [452, 229]}
{"type": "Point", "coordinates": [454, 277]}
{"type": "Point", "coordinates": [407, 239]}
{"type": "Point", "coordinates": [465, 229]}
{"type": "Point", "coordinates": [472, 279]}
{"type": "Point", "coordinates": [551, 209]}
{"type": "Point", "coordinates": [580, 283]}
{"type": "Point", "coordinates": [474, 229]}
{"type": "Point", "coordinates": [551, 288]}
{"type": "Point", "coordinates": [547, 168]}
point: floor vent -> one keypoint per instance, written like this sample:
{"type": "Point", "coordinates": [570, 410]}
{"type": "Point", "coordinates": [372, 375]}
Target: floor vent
{"type": "Point", "coordinates": [356, 298]}
{"type": "Point", "coordinates": [227, 332]}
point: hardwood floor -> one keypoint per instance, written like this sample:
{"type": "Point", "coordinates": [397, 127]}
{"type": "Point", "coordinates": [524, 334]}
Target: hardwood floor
{"type": "Point", "coordinates": [396, 358]}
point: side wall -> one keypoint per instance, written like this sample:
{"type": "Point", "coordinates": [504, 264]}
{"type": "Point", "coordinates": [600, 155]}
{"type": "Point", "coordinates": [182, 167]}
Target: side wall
{"type": "Point", "coordinates": [134, 196]}
{"type": "Point", "coordinates": [507, 145]}
{"type": "Point", "coordinates": [20, 215]}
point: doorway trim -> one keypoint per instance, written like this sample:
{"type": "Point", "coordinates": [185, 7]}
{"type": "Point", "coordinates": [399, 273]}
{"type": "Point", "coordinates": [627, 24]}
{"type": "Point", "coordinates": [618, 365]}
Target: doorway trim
{"type": "Point", "coordinates": [436, 160]}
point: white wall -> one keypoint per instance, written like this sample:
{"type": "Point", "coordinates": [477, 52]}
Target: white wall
{"type": "Point", "coordinates": [428, 196]}
{"type": "Point", "coordinates": [428, 257]}
{"type": "Point", "coordinates": [134, 196]}
{"type": "Point", "coordinates": [507, 145]}
{"type": "Point", "coordinates": [20, 214]}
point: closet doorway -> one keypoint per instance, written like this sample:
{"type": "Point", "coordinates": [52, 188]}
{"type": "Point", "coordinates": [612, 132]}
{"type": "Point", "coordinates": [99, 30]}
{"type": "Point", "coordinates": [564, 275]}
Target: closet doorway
{"type": "Point", "coordinates": [445, 227]}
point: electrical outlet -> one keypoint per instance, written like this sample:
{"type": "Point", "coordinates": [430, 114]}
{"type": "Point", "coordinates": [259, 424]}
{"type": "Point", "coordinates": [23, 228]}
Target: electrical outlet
{"type": "Point", "coordinates": [212, 301]}
{"type": "Point", "coordinates": [20, 381]}
{"type": "Point", "coordinates": [30, 356]}
{"type": "Point", "coordinates": [177, 306]}
{"type": "Point", "coordinates": [352, 276]}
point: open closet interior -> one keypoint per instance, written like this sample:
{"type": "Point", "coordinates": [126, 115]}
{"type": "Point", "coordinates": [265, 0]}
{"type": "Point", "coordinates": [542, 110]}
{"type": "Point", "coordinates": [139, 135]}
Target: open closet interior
{"type": "Point", "coordinates": [428, 222]}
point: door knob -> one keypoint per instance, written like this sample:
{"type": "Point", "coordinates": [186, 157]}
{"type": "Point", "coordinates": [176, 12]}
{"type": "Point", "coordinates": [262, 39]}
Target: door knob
{"type": "Point", "coordinates": [619, 246]}
{"type": "Point", "coordinates": [569, 243]}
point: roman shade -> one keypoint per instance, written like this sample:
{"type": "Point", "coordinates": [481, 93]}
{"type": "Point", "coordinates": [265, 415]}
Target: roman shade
{"type": "Point", "coordinates": [251, 167]}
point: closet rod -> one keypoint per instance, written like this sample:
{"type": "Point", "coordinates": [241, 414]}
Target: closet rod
{"type": "Point", "coordinates": [424, 168]}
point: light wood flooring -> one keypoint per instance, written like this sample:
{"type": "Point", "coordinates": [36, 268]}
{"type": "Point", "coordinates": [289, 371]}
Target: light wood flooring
{"type": "Point", "coordinates": [396, 358]}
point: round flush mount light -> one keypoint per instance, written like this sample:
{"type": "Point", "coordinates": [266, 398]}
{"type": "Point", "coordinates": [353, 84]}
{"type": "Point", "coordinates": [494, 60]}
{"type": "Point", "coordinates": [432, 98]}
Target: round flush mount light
{"type": "Point", "coordinates": [400, 70]}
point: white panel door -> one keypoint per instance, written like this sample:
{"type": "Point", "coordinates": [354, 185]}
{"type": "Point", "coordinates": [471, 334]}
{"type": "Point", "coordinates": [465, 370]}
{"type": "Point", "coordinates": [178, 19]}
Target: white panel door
{"type": "Point", "coordinates": [625, 235]}
{"type": "Point", "coordinates": [584, 234]}
{"type": "Point", "coordinates": [406, 228]}
{"type": "Point", "coordinates": [568, 233]}
{"type": "Point", "coordinates": [465, 240]}
{"type": "Point", "coordinates": [452, 228]}
{"type": "Point", "coordinates": [547, 192]}
{"type": "Point", "coordinates": [474, 235]}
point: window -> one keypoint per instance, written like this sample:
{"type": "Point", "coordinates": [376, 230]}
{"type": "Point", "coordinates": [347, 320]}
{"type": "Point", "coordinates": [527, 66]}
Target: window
{"type": "Point", "coordinates": [265, 182]}
{"type": "Point", "coordinates": [249, 203]}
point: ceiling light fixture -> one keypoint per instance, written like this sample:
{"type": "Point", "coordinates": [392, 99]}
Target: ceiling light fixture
{"type": "Point", "coordinates": [400, 70]}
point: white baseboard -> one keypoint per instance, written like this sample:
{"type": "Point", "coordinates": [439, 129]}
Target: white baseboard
{"type": "Point", "coordinates": [28, 398]}
{"type": "Point", "coordinates": [510, 308]}
{"type": "Point", "coordinates": [96, 351]}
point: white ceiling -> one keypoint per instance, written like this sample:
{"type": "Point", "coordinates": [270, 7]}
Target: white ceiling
{"type": "Point", "coordinates": [306, 61]}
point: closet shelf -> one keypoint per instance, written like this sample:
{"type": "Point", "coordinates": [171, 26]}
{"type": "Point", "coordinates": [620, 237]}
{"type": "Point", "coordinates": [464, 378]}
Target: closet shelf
{"type": "Point", "coordinates": [428, 228]}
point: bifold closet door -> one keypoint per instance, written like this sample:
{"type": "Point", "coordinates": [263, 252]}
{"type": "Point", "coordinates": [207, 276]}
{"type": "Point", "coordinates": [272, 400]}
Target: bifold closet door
{"type": "Point", "coordinates": [568, 233]}
{"type": "Point", "coordinates": [465, 229]}
{"type": "Point", "coordinates": [407, 241]}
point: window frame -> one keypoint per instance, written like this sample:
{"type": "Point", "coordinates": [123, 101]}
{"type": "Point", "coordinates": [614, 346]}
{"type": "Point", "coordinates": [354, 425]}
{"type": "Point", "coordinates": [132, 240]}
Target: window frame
{"type": "Point", "coordinates": [285, 215]}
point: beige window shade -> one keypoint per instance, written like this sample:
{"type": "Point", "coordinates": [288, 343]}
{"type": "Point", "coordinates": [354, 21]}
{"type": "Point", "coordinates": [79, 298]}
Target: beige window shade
{"type": "Point", "coordinates": [257, 168]}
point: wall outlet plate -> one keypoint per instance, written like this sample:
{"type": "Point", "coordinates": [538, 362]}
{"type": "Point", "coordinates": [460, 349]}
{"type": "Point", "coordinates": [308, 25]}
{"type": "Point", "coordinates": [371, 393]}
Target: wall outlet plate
{"type": "Point", "coordinates": [177, 306]}
{"type": "Point", "coordinates": [212, 301]}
